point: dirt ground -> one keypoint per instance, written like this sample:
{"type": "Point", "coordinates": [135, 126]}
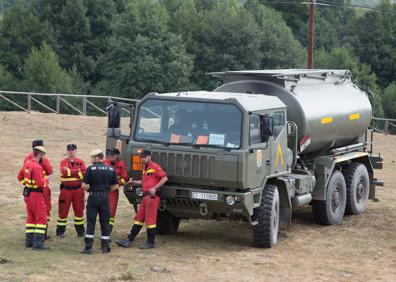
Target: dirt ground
{"type": "Point", "coordinates": [362, 248]}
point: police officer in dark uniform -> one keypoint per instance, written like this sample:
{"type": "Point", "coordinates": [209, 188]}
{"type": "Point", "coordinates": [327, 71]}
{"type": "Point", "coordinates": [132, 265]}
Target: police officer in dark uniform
{"type": "Point", "coordinates": [99, 180]}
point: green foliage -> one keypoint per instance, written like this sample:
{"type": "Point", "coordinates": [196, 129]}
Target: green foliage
{"type": "Point", "coordinates": [20, 30]}
{"type": "Point", "coordinates": [375, 42]}
{"type": "Point", "coordinates": [144, 55]}
{"type": "Point", "coordinates": [389, 98]}
{"type": "Point", "coordinates": [7, 81]}
{"type": "Point", "coordinates": [42, 72]}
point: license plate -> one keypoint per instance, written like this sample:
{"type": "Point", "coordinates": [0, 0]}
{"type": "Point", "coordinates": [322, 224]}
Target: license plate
{"type": "Point", "coordinates": [204, 196]}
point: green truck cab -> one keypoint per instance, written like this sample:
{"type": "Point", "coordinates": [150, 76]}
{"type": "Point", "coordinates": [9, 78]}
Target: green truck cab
{"type": "Point", "coordinates": [261, 144]}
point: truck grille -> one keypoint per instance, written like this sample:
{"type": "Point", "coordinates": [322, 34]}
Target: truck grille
{"type": "Point", "coordinates": [173, 202]}
{"type": "Point", "coordinates": [190, 165]}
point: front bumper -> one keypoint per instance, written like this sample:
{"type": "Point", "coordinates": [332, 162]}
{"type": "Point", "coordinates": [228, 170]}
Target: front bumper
{"type": "Point", "coordinates": [179, 201]}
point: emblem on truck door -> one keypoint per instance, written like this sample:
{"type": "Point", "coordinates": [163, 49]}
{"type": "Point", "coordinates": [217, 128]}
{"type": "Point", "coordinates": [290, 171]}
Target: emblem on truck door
{"type": "Point", "coordinates": [259, 158]}
{"type": "Point", "coordinates": [279, 154]}
{"type": "Point", "coordinates": [119, 145]}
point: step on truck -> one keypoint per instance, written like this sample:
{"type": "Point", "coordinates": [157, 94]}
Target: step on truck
{"type": "Point", "coordinates": [259, 145]}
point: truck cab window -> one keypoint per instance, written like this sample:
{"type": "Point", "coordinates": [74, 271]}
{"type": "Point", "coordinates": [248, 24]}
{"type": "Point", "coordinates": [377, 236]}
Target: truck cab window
{"type": "Point", "coordinates": [255, 130]}
{"type": "Point", "coordinates": [190, 123]}
{"type": "Point", "coordinates": [279, 123]}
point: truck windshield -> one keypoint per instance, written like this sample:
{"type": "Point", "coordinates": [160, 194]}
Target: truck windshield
{"type": "Point", "coordinates": [189, 123]}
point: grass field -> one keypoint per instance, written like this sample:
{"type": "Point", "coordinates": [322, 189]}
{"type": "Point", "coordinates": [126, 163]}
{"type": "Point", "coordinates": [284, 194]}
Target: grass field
{"type": "Point", "coordinates": [362, 248]}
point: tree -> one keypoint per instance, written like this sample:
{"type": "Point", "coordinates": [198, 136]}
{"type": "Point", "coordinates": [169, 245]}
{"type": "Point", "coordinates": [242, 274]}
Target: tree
{"type": "Point", "coordinates": [375, 42]}
{"type": "Point", "coordinates": [7, 81]}
{"type": "Point", "coordinates": [42, 72]}
{"type": "Point", "coordinates": [20, 31]}
{"type": "Point", "coordinates": [389, 98]}
{"type": "Point", "coordinates": [144, 56]}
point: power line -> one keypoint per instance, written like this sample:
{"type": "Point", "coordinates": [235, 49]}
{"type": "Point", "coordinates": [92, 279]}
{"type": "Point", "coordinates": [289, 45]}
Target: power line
{"type": "Point", "coordinates": [325, 4]}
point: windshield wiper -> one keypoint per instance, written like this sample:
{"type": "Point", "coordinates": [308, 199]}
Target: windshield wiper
{"type": "Point", "coordinates": [155, 141]}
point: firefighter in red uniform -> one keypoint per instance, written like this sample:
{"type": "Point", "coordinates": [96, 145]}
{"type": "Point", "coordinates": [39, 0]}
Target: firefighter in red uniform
{"type": "Point", "coordinates": [120, 168]}
{"type": "Point", "coordinates": [31, 176]}
{"type": "Point", "coordinates": [72, 172]}
{"type": "Point", "coordinates": [153, 177]}
{"type": "Point", "coordinates": [47, 171]}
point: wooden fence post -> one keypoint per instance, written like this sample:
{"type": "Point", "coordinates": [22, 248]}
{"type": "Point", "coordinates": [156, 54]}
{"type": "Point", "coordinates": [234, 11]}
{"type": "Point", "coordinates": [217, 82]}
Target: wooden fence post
{"type": "Point", "coordinates": [29, 103]}
{"type": "Point", "coordinates": [386, 127]}
{"type": "Point", "coordinates": [58, 104]}
{"type": "Point", "coordinates": [85, 106]}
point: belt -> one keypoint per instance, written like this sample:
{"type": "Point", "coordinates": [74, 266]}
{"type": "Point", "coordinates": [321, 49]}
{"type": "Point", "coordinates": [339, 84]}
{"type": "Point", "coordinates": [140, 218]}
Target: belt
{"type": "Point", "coordinates": [100, 193]}
{"type": "Point", "coordinates": [70, 187]}
{"type": "Point", "coordinates": [39, 190]}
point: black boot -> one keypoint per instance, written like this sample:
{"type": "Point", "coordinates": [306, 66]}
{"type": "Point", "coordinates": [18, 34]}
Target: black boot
{"type": "Point", "coordinates": [88, 246]}
{"type": "Point", "coordinates": [80, 229]}
{"type": "Point", "coordinates": [105, 246]}
{"type": "Point", "coordinates": [150, 239]}
{"type": "Point", "coordinates": [126, 243]}
{"type": "Point", "coordinates": [29, 240]}
{"type": "Point", "coordinates": [46, 236]}
{"type": "Point", "coordinates": [38, 242]}
{"type": "Point", "coordinates": [60, 231]}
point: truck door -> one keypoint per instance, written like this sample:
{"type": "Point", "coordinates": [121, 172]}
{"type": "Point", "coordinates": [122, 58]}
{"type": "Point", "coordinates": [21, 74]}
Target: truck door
{"type": "Point", "coordinates": [259, 156]}
{"type": "Point", "coordinates": [278, 140]}
{"type": "Point", "coordinates": [119, 128]}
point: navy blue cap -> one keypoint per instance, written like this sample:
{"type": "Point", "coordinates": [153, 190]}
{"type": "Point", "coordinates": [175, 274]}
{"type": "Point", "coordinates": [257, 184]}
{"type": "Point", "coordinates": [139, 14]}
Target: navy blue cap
{"type": "Point", "coordinates": [145, 153]}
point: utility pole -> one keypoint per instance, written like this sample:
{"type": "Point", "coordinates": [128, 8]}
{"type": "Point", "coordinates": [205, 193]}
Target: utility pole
{"type": "Point", "coordinates": [311, 33]}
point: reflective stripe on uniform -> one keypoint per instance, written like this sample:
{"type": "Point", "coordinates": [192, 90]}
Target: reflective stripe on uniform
{"type": "Point", "coordinates": [105, 237]}
{"type": "Point", "coordinates": [138, 222]}
{"type": "Point", "coordinates": [62, 222]}
{"type": "Point", "coordinates": [30, 227]}
{"type": "Point", "coordinates": [151, 226]}
{"type": "Point", "coordinates": [68, 172]}
{"type": "Point", "coordinates": [40, 231]}
{"type": "Point", "coordinates": [70, 179]}
{"type": "Point", "coordinates": [78, 221]}
{"type": "Point", "coordinates": [89, 236]}
{"type": "Point", "coordinates": [41, 226]}
{"type": "Point", "coordinates": [80, 174]}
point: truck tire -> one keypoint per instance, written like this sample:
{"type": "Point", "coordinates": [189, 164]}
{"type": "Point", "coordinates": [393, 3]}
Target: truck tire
{"type": "Point", "coordinates": [358, 186]}
{"type": "Point", "coordinates": [167, 224]}
{"type": "Point", "coordinates": [265, 232]}
{"type": "Point", "coordinates": [331, 211]}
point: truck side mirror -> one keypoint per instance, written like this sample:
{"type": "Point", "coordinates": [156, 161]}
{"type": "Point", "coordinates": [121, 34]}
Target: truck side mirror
{"type": "Point", "coordinates": [267, 127]}
{"type": "Point", "coordinates": [114, 120]}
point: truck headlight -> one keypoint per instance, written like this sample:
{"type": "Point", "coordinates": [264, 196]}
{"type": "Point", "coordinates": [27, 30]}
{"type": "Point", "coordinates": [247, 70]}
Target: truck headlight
{"type": "Point", "coordinates": [230, 200]}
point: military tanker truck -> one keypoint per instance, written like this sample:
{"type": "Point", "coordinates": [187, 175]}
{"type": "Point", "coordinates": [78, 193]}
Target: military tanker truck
{"type": "Point", "coordinates": [259, 145]}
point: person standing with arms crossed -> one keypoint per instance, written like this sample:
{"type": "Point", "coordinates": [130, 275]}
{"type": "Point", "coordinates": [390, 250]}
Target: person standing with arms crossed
{"type": "Point", "coordinates": [99, 180]}
{"type": "Point", "coordinates": [113, 160]}
{"type": "Point", "coordinates": [47, 171]}
{"type": "Point", "coordinates": [72, 172]}
{"type": "Point", "coordinates": [31, 176]}
{"type": "Point", "coordinates": [153, 178]}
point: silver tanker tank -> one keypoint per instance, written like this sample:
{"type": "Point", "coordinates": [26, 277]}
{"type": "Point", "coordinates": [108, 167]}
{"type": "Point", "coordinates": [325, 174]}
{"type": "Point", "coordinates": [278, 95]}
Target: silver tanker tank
{"type": "Point", "coordinates": [328, 108]}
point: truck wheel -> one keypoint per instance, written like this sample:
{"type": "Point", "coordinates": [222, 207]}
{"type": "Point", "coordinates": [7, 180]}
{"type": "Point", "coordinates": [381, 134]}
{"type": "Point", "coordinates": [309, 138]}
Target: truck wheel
{"type": "Point", "coordinates": [358, 185]}
{"type": "Point", "coordinates": [265, 232]}
{"type": "Point", "coordinates": [331, 211]}
{"type": "Point", "coordinates": [167, 224]}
